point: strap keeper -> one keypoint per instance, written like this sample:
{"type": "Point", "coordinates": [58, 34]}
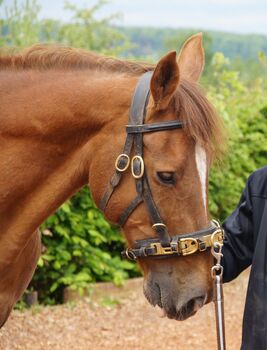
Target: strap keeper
{"type": "Point", "coordinates": [162, 232]}
{"type": "Point", "coordinates": [143, 251]}
{"type": "Point", "coordinates": [202, 246]}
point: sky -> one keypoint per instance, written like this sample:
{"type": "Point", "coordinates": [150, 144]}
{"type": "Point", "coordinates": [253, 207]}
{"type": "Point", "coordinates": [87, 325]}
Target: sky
{"type": "Point", "coordinates": [240, 16]}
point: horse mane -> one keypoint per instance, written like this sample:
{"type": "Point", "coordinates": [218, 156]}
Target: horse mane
{"type": "Point", "coordinates": [202, 121]}
{"type": "Point", "coordinates": [54, 56]}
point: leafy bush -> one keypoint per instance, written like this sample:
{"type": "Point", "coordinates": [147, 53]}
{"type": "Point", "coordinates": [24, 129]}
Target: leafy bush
{"type": "Point", "coordinates": [21, 27]}
{"type": "Point", "coordinates": [243, 109]}
{"type": "Point", "coordinates": [80, 247]}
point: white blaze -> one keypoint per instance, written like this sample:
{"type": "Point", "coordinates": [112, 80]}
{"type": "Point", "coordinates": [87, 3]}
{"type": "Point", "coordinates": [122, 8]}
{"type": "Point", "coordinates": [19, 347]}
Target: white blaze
{"type": "Point", "coordinates": [201, 162]}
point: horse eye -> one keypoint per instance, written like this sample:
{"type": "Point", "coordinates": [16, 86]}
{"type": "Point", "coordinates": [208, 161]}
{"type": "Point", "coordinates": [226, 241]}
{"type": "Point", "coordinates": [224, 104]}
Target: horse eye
{"type": "Point", "coordinates": [167, 177]}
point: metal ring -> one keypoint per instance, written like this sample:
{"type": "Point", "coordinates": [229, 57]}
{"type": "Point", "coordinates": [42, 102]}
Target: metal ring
{"type": "Point", "coordinates": [130, 254]}
{"type": "Point", "coordinates": [117, 162]}
{"type": "Point", "coordinates": [216, 223]}
{"type": "Point", "coordinates": [138, 176]}
{"type": "Point", "coordinates": [158, 224]}
{"type": "Point", "coordinates": [216, 270]}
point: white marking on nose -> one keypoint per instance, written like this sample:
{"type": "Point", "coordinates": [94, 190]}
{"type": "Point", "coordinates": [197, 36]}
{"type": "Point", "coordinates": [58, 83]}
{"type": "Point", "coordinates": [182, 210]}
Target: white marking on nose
{"type": "Point", "coordinates": [201, 162]}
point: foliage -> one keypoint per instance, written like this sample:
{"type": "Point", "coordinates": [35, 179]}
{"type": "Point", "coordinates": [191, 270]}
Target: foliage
{"type": "Point", "coordinates": [86, 31]}
{"type": "Point", "coordinates": [80, 247]}
{"type": "Point", "coordinates": [21, 27]}
{"type": "Point", "coordinates": [153, 41]}
{"type": "Point", "coordinates": [243, 109]}
{"type": "Point", "coordinates": [243, 50]}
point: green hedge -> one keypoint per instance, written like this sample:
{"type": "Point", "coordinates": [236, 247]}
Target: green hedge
{"type": "Point", "coordinates": [243, 109]}
{"type": "Point", "coordinates": [79, 248]}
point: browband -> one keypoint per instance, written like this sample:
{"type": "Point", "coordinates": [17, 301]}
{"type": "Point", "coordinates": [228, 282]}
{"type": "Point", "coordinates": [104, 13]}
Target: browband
{"type": "Point", "coordinates": [137, 129]}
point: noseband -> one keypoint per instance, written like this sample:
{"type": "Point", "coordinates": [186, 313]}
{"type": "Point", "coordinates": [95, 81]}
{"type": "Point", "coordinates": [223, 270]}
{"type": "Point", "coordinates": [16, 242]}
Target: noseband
{"type": "Point", "coordinates": [163, 245]}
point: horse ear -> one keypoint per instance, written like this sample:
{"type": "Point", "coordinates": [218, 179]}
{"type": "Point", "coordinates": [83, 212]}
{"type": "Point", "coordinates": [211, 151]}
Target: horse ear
{"type": "Point", "coordinates": [165, 80]}
{"type": "Point", "coordinates": [191, 59]}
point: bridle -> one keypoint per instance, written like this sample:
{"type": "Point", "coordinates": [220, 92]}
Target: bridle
{"type": "Point", "coordinates": [163, 245]}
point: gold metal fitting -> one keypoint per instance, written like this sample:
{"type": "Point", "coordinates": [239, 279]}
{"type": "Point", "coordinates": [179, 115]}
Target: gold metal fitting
{"type": "Point", "coordinates": [216, 223]}
{"type": "Point", "coordinates": [217, 237]}
{"type": "Point", "coordinates": [188, 246]}
{"type": "Point", "coordinates": [123, 155]}
{"type": "Point", "coordinates": [162, 250]}
{"type": "Point", "coordinates": [142, 165]}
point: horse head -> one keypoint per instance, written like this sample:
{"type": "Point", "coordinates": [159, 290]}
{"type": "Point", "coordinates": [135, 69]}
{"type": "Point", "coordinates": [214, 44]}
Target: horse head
{"type": "Point", "coordinates": [173, 161]}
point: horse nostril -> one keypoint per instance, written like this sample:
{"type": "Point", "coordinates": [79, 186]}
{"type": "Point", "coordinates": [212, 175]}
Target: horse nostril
{"type": "Point", "coordinates": [199, 302]}
{"type": "Point", "coordinates": [193, 305]}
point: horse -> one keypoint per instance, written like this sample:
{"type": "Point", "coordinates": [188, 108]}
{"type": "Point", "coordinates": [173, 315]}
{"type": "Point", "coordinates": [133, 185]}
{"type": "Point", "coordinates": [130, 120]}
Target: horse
{"type": "Point", "coordinates": [62, 126]}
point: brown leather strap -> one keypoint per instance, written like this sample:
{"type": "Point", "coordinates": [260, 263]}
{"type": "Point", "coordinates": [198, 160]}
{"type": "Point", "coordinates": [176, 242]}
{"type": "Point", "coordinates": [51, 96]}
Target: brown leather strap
{"type": "Point", "coordinates": [153, 127]}
{"type": "Point", "coordinates": [140, 100]}
{"type": "Point", "coordinates": [116, 177]}
{"type": "Point", "coordinates": [128, 211]}
{"type": "Point", "coordinates": [136, 116]}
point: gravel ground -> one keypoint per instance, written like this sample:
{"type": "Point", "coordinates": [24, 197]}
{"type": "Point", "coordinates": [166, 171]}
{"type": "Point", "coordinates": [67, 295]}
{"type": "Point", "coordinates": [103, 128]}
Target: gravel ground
{"type": "Point", "coordinates": [126, 321]}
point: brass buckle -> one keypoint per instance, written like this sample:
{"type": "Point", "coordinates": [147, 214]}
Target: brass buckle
{"type": "Point", "coordinates": [162, 250]}
{"type": "Point", "coordinates": [123, 155]}
{"type": "Point", "coordinates": [130, 255]}
{"type": "Point", "coordinates": [138, 176]}
{"type": "Point", "coordinates": [217, 237]}
{"type": "Point", "coordinates": [188, 246]}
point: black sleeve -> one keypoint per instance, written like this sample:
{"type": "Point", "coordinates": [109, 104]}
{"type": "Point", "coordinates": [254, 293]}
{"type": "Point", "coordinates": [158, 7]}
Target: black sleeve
{"type": "Point", "coordinates": [238, 243]}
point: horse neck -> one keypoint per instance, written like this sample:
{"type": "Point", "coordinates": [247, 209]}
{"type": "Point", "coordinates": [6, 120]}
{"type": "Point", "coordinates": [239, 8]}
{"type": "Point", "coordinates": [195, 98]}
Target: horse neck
{"type": "Point", "coordinates": [52, 124]}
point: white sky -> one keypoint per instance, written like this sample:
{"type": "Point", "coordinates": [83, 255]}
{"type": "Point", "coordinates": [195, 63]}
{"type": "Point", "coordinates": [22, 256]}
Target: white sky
{"type": "Point", "coordinates": [241, 16]}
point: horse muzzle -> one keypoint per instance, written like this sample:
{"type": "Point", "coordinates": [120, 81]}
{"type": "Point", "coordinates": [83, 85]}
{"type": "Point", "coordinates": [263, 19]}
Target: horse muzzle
{"type": "Point", "coordinates": [176, 302]}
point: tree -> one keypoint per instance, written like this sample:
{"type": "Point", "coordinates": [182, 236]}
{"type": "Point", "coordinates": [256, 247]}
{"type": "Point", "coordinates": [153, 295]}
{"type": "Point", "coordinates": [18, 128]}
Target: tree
{"type": "Point", "coordinates": [20, 27]}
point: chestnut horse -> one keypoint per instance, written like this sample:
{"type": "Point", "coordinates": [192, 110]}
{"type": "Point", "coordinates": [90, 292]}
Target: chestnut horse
{"type": "Point", "coordinates": [62, 124]}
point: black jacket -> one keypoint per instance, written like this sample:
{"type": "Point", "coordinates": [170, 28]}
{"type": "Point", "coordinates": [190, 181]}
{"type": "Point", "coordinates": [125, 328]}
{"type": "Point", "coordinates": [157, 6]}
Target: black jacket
{"type": "Point", "coordinates": [246, 244]}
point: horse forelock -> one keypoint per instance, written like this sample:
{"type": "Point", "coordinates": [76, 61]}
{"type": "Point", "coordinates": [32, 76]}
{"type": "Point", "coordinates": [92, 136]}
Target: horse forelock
{"type": "Point", "coordinates": [202, 121]}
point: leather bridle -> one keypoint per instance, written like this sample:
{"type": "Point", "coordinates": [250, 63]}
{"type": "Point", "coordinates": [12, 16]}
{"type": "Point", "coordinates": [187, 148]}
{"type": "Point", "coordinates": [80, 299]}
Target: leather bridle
{"type": "Point", "coordinates": [163, 245]}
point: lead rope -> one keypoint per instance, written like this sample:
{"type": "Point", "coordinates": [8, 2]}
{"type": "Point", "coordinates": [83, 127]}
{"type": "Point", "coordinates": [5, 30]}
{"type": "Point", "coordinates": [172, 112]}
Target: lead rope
{"type": "Point", "coordinates": [216, 274]}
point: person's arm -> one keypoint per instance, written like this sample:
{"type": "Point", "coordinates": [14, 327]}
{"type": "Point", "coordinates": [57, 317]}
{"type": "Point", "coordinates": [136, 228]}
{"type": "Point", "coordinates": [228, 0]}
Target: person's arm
{"type": "Point", "coordinates": [238, 243]}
